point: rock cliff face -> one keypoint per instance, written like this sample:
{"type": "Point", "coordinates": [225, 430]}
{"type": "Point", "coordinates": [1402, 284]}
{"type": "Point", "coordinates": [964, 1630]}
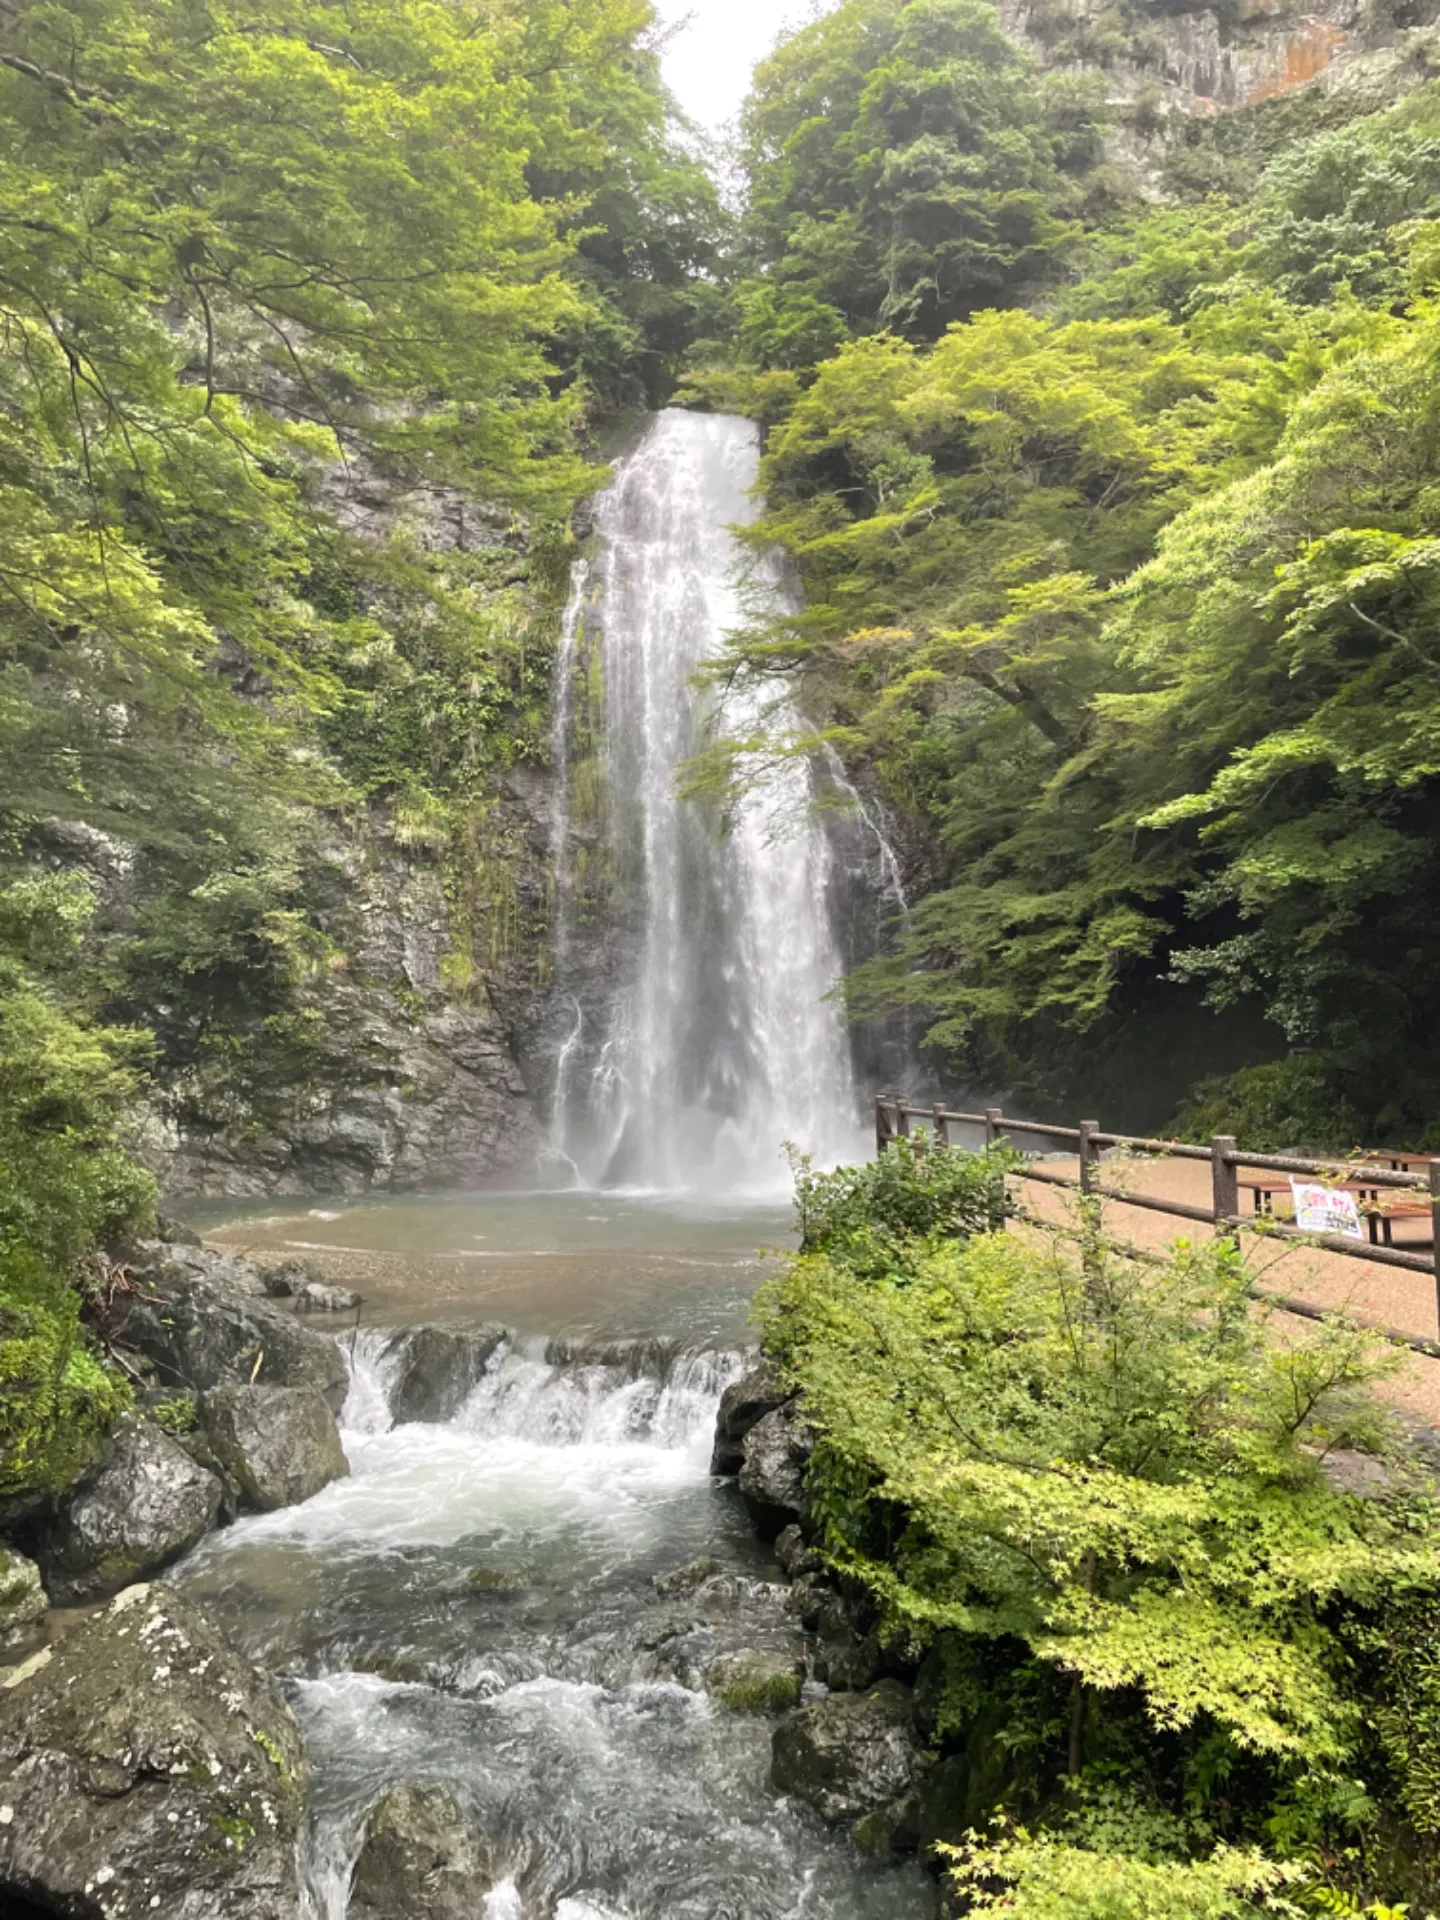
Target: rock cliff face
{"type": "Point", "coordinates": [406, 1081]}
{"type": "Point", "coordinates": [1165, 59]}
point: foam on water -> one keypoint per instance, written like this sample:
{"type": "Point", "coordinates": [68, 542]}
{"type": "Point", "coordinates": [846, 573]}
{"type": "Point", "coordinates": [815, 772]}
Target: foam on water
{"type": "Point", "coordinates": [570, 1475]}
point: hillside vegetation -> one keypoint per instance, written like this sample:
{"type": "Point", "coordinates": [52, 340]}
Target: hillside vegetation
{"type": "Point", "coordinates": [282, 287]}
{"type": "Point", "coordinates": [1169, 1660]}
{"type": "Point", "coordinates": [1115, 528]}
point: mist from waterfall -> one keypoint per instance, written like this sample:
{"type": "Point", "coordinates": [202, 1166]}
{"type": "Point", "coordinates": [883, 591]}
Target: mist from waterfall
{"type": "Point", "coordinates": [718, 1042]}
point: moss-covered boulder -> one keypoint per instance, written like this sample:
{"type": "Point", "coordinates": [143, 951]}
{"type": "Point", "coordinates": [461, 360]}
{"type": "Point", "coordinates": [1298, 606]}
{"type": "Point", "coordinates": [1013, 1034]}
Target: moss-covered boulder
{"type": "Point", "coordinates": [755, 1681]}
{"type": "Point", "coordinates": [421, 1858]}
{"type": "Point", "coordinates": [145, 1506]}
{"type": "Point", "coordinates": [279, 1445]}
{"type": "Point", "coordinates": [851, 1753]}
{"type": "Point", "coordinates": [57, 1403]}
{"type": "Point", "coordinates": [148, 1770]}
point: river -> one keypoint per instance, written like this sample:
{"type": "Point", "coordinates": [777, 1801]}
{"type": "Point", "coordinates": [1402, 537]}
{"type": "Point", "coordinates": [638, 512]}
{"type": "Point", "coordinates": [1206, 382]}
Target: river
{"type": "Point", "coordinates": [475, 1603]}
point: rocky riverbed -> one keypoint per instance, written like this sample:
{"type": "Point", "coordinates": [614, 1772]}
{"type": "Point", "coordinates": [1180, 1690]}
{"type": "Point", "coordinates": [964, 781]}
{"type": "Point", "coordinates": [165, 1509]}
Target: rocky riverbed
{"type": "Point", "coordinates": [530, 1630]}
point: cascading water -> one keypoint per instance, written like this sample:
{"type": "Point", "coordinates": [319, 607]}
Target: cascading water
{"type": "Point", "coordinates": [719, 1042]}
{"type": "Point", "coordinates": [474, 1605]}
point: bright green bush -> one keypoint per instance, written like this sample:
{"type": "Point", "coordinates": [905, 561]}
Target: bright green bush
{"type": "Point", "coordinates": [65, 1182]}
{"type": "Point", "coordinates": [914, 1191]}
{"type": "Point", "coordinates": [1089, 1496]}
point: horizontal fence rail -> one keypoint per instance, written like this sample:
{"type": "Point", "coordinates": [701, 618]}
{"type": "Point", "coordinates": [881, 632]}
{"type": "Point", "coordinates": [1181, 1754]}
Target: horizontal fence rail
{"type": "Point", "coordinates": [893, 1118]}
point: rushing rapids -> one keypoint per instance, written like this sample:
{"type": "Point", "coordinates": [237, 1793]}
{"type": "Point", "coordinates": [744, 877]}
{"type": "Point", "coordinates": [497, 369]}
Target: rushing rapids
{"type": "Point", "coordinates": [475, 1605]}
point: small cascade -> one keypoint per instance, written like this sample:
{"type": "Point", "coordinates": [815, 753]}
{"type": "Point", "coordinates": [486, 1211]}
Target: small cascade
{"type": "Point", "coordinates": [719, 1041]}
{"type": "Point", "coordinates": [560, 1393]}
{"type": "Point", "coordinates": [486, 1601]}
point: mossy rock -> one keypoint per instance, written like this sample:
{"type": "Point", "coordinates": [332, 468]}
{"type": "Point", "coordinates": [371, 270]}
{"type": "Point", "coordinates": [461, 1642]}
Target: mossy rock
{"type": "Point", "coordinates": [495, 1580]}
{"type": "Point", "coordinates": [756, 1682]}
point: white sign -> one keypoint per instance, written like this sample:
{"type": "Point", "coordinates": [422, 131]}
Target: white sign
{"type": "Point", "coordinates": [1326, 1210]}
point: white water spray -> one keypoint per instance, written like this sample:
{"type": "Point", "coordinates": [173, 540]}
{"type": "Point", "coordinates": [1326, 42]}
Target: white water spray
{"type": "Point", "coordinates": [721, 1043]}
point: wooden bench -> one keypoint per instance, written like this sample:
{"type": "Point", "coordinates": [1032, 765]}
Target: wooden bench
{"type": "Point", "coordinates": [1378, 1207]}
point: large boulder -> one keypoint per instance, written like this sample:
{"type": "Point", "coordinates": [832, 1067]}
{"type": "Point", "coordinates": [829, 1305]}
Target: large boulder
{"type": "Point", "coordinates": [851, 1753]}
{"type": "Point", "coordinates": [746, 1401]}
{"type": "Point", "coordinates": [279, 1445]}
{"type": "Point", "coordinates": [777, 1450]}
{"type": "Point", "coordinates": [22, 1605]}
{"type": "Point", "coordinates": [148, 1772]}
{"type": "Point", "coordinates": [420, 1859]}
{"type": "Point", "coordinates": [145, 1506]}
{"type": "Point", "coordinates": [202, 1320]}
{"type": "Point", "coordinates": [437, 1368]}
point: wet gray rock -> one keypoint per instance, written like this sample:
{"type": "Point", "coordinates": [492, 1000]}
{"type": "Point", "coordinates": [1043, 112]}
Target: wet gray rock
{"type": "Point", "coordinates": [175, 1233]}
{"type": "Point", "coordinates": [284, 1281]}
{"type": "Point", "coordinates": [743, 1404]}
{"type": "Point", "coordinates": [756, 1681]}
{"type": "Point", "coordinates": [438, 1368]}
{"type": "Point", "coordinates": [279, 1445]}
{"type": "Point", "coordinates": [687, 1578]}
{"type": "Point", "coordinates": [145, 1506]}
{"type": "Point", "coordinates": [22, 1605]}
{"type": "Point", "coordinates": [796, 1559]}
{"type": "Point", "coordinates": [772, 1477]}
{"type": "Point", "coordinates": [204, 1322]}
{"type": "Point", "coordinates": [148, 1772]}
{"type": "Point", "coordinates": [420, 1859]}
{"type": "Point", "coordinates": [315, 1297]}
{"type": "Point", "coordinates": [851, 1753]}
{"type": "Point", "coordinates": [407, 1087]}
{"type": "Point", "coordinates": [893, 1828]}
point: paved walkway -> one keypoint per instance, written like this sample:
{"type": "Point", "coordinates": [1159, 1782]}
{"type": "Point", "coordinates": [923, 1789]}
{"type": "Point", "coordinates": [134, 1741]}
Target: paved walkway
{"type": "Point", "coordinates": [1391, 1295]}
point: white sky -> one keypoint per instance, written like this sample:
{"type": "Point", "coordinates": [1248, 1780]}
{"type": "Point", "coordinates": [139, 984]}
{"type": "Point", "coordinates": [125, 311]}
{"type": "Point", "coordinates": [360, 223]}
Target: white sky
{"type": "Point", "coordinates": [708, 64]}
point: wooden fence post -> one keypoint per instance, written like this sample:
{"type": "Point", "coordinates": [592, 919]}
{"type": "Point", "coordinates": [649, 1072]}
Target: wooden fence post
{"type": "Point", "coordinates": [1224, 1183]}
{"type": "Point", "coordinates": [902, 1118]}
{"type": "Point", "coordinates": [882, 1124]}
{"type": "Point", "coordinates": [994, 1125]}
{"type": "Point", "coordinates": [1089, 1155]}
{"type": "Point", "coordinates": [940, 1127]}
{"type": "Point", "coordinates": [1435, 1233]}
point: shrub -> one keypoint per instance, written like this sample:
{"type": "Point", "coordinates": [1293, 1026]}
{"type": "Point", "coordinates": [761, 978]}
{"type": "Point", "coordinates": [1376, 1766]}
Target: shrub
{"type": "Point", "coordinates": [1090, 1497]}
{"type": "Point", "coordinates": [1282, 1104]}
{"type": "Point", "coordinates": [916, 1191]}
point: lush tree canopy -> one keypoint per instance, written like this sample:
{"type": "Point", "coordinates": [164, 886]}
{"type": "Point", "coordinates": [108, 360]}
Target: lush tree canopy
{"type": "Point", "coordinates": [906, 167]}
{"type": "Point", "coordinates": [1119, 591]}
{"type": "Point", "coordinates": [306, 312]}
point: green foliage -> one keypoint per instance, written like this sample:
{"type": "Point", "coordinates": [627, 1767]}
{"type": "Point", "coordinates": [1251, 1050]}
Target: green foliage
{"type": "Point", "coordinates": [1114, 1468]}
{"type": "Point", "coordinates": [65, 1181]}
{"type": "Point", "coordinates": [1125, 603]}
{"type": "Point", "coordinates": [906, 167]}
{"type": "Point", "coordinates": [917, 1190]}
{"type": "Point", "coordinates": [1090, 1492]}
{"type": "Point", "coordinates": [1037, 1877]}
{"type": "Point", "coordinates": [1274, 1108]}
{"type": "Point", "coordinates": [298, 321]}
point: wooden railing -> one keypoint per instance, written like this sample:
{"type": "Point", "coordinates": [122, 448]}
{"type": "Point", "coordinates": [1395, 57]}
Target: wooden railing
{"type": "Point", "coordinates": [894, 1115]}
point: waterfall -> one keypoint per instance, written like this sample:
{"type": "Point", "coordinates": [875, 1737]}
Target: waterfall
{"type": "Point", "coordinates": [716, 1042]}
